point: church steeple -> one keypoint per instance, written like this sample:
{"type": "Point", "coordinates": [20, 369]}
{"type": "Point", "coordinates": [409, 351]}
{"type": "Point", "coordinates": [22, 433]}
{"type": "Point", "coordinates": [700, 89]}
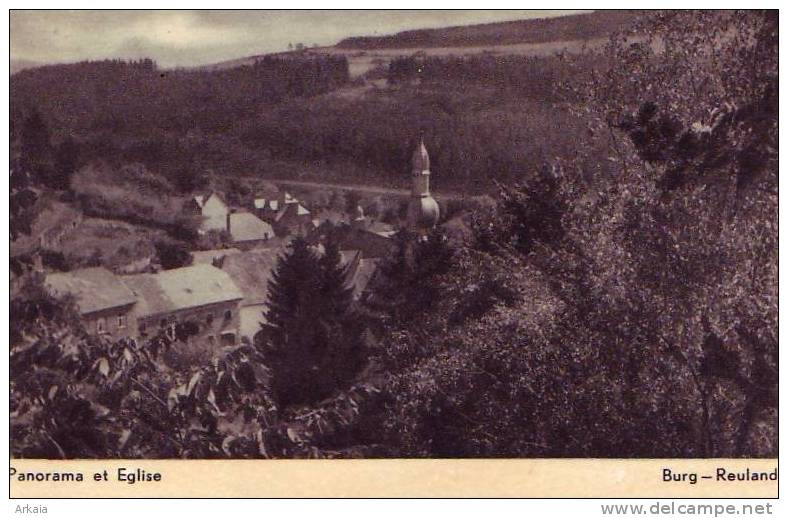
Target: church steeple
{"type": "Point", "coordinates": [421, 159]}
{"type": "Point", "coordinates": [420, 167]}
{"type": "Point", "coordinates": [423, 210]}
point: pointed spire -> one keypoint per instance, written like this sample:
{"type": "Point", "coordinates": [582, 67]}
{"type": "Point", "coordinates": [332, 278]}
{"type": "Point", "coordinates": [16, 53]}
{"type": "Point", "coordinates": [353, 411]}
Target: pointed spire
{"type": "Point", "coordinates": [421, 159]}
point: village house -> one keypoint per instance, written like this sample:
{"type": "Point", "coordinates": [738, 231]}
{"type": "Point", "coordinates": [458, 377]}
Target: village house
{"type": "Point", "coordinates": [286, 213]}
{"type": "Point", "coordinates": [139, 306]}
{"type": "Point", "coordinates": [105, 304]}
{"type": "Point", "coordinates": [266, 208]}
{"type": "Point", "coordinates": [202, 295]}
{"type": "Point", "coordinates": [251, 271]}
{"type": "Point", "coordinates": [212, 208]}
{"type": "Point", "coordinates": [244, 228]}
{"type": "Point", "coordinates": [247, 230]}
{"type": "Point", "coordinates": [293, 218]}
{"type": "Point", "coordinates": [373, 239]}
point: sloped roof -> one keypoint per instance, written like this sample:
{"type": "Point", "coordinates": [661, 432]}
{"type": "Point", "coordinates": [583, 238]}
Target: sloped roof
{"type": "Point", "coordinates": [199, 200]}
{"type": "Point", "coordinates": [94, 289]}
{"type": "Point", "coordinates": [213, 194]}
{"type": "Point", "coordinates": [151, 299]}
{"type": "Point", "coordinates": [291, 210]}
{"type": "Point", "coordinates": [245, 226]}
{"type": "Point", "coordinates": [181, 288]}
{"type": "Point", "coordinates": [251, 271]}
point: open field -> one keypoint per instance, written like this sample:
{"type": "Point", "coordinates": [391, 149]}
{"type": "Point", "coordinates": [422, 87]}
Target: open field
{"type": "Point", "coordinates": [361, 61]}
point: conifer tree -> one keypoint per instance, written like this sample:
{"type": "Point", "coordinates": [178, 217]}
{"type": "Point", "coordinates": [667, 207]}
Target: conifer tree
{"type": "Point", "coordinates": [337, 294]}
{"type": "Point", "coordinates": [311, 339]}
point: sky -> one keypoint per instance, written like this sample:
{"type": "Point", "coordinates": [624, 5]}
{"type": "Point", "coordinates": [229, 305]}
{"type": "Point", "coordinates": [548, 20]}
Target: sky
{"type": "Point", "coordinates": [189, 38]}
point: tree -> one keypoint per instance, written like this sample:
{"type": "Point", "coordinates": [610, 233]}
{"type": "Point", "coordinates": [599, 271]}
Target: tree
{"type": "Point", "coordinates": [692, 119]}
{"type": "Point", "coordinates": [311, 338]}
{"type": "Point", "coordinates": [352, 201]}
{"type": "Point", "coordinates": [408, 285]}
{"type": "Point", "coordinates": [172, 254]}
{"type": "Point", "coordinates": [188, 179]}
{"type": "Point", "coordinates": [66, 156]}
{"type": "Point", "coordinates": [648, 263]}
{"type": "Point", "coordinates": [35, 140]}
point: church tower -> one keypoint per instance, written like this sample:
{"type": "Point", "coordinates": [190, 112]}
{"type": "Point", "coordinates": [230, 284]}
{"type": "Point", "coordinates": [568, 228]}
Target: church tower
{"type": "Point", "coordinates": [423, 212]}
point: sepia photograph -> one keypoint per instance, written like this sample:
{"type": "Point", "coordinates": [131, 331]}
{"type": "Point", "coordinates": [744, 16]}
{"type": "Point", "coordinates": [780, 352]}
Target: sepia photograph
{"type": "Point", "coordinates": [393, 234]}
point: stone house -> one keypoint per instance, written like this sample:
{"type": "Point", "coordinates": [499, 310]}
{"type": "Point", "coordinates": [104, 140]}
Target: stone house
{"type": "Point", "coordinates": [202, 295]}
{"type": "Point", "coordinates": [105, 304]}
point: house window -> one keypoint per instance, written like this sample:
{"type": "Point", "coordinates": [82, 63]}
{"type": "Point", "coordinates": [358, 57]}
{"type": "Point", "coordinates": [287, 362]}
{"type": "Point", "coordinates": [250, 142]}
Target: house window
{"type": "Point", "coordinates": [228, 315]}
{"type": "Point", "coordinates": [121, 321]}
{"type": "Point", "coordinates": [101, 325]}
{"type": "Point", "coordinates": [209, 319]}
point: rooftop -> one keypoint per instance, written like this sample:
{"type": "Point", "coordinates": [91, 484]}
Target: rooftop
{"type": "Point", "coordinates": [251, 271]}
{"type": "Point", "coordinates": [245, 226]}
{"type": "Point", "coordinates": [94, 289]}
{"type": "Point", "coordinates": [181, 288]}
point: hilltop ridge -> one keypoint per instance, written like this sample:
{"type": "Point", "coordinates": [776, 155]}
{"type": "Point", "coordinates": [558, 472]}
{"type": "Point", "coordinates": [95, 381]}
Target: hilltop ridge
{"type": "Point", "coordinates": [540, 30]}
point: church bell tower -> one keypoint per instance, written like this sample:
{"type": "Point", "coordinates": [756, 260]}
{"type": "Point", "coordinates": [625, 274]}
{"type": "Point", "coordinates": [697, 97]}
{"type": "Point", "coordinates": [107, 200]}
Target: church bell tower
{"type": "Point", "coordinates": [423, 211]}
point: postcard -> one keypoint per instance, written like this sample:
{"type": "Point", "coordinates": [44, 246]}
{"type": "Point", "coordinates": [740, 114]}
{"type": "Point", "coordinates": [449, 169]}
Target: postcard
{"type": "Point", "coordinates": [393, 253]}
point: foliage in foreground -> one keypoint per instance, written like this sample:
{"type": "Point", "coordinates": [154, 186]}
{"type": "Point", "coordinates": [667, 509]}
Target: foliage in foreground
{"type": "Point", "coordinates": [77, 396]}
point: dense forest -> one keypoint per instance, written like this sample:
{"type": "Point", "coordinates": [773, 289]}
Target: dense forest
{"type": "Point", "coordinates": [484, 119]}
{"type": "Point", "coordinates": [617, 299]}
{"type": "Point", "coordinates": [165, 119]}
{"type": "Point", "coordinates": [564, 28]}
